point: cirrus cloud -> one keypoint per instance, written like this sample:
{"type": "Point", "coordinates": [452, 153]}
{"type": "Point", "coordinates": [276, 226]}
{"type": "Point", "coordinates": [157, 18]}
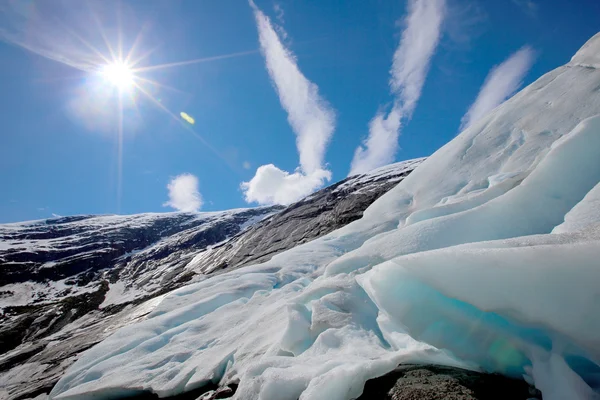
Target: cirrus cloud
{"type": "Point", "coordinates": [311, 118]}
{"type": "Point", "coordinates": [410, 66]}
{"type": "Point", "coordinates": [501, 82]}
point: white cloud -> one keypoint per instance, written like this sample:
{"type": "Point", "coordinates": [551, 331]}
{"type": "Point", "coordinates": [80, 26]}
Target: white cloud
{"type": "Point", "coordinates": [381, 145]}
{"type": "Point", "coordinates": [417, 45]}
{"type": "Point", "coordinates": [184, 194]}
{"type": "Point", "coordinates": [410, 66]}
{"type": "Point", "coordinates": [502, 82]}
{"type": "Point", "coordinates": [312, 119]}
{"type": "Point", "coordinates": [271, 185]}
{"type": "Point", "coordinates": [279, 14]}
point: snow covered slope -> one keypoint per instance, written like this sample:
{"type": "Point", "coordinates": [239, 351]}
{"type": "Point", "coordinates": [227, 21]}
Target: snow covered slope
{"type": "Point", "coordinates": [456, 265]}
{"type": "Point", "coordinates": [70, 282]}
{"type": "Point", "coordinates": [318, 214]}
{"type": "Point", "coordinates": [48, 260]}
{"type": "Point", "coordinates": [55, 272]}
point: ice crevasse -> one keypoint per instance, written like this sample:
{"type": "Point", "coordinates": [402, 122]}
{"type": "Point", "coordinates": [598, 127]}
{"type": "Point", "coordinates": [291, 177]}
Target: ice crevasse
{"type": "Point", "coordinates": [487, 257]}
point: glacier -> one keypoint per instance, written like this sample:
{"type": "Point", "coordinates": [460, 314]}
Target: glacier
{"type": "Point", "coordinates": [486, 257]}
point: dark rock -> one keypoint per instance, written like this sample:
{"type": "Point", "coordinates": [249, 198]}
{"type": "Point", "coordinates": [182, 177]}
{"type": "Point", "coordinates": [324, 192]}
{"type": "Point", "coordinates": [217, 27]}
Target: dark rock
{"type": "Point", "coordinates": [433, 382]}
{"type": "Point", "coordinates": [313, 217]}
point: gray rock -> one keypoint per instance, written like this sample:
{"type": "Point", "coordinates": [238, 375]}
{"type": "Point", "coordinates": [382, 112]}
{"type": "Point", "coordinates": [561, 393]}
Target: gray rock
{"type": "Point", "coordinates": [310, 218]}
{"type": "Point", "coordinates": [433, 382]}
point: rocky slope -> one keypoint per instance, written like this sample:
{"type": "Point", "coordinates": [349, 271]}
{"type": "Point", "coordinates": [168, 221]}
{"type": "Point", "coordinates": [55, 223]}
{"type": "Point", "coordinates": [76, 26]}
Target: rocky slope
{"type": "Point", "coordinates": [310, 218]}
{"type": "Point", "coordinates": [54, 272]}
{"type": "Point", "coordinates": [68, 283]}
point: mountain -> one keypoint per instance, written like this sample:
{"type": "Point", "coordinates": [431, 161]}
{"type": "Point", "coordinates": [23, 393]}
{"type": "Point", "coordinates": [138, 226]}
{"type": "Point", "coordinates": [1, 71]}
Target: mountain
{"type": "Point", "coordinates": [485, 257]}
{"type": "Point", "coordinates": [67, 283]}
{"type": "Point", "coordinates": [312, 217]}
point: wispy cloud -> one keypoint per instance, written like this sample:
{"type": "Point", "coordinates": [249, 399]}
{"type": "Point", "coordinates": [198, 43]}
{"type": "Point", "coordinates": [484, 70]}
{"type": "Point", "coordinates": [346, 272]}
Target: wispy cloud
{"type": "Point", "coordinates": [312, 119]}
{"type": "Point", "coordinates": [411, 61]}
{"type": "Point", "coordinates": [501, 82]}
{"type": "Point", "coordinates": [278, 13]}
{"type": "Point", "coordinates": [463, 24]}
{"type": "Point", "coordinates": [279, 16]}
{"type": "Point", "coordinates": [184, 194]}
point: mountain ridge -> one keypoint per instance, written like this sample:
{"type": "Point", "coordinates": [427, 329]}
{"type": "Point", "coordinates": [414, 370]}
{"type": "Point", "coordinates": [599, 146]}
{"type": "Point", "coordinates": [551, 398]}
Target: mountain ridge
{"type": "Point", "coordinates": [87, 275]}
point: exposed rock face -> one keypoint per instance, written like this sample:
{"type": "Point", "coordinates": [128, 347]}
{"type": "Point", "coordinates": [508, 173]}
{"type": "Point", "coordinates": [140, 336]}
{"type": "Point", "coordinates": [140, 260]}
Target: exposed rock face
{"type": "Point", "coordinates": [431, 382]}
{"type": "Point", "coordinates": [68, 283]}
{"type": "Point", "coordinates": [315, 216]}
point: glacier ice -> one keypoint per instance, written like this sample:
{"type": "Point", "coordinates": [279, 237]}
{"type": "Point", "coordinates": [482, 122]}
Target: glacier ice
{"type": "Point", "coordinates": [485, 257]}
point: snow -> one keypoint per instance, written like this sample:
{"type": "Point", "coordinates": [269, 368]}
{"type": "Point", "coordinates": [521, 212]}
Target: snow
{"type": "Point", "coordinates": [21, 294]}
{"type": "Point", "coordinates": [484, 257]}
{"type": "Point", "coordinates": [119, 293]}
{"type": "Point", "coordinates": [381, 173]}
{"type": "Point", "coordinates": [585, 214]}
{"type": "Point", "coordinates": [73, 241]}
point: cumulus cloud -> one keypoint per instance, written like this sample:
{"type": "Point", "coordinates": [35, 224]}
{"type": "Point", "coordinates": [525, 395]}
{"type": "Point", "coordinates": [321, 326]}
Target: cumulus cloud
{"type": "Point", "coordinates": [410, 65]}
{"type": "Point", "coordinates": [184, 194]}
{"type": "Point", "coordinates": [312, 119]}
{"type": "Point", "coordinates": [271, 185]}
{"type": "Point", "coordinates": [501, 82]}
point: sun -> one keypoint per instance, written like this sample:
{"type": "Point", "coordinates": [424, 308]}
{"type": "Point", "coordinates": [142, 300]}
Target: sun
{"type": "Point", "coordinates": [119, 74]}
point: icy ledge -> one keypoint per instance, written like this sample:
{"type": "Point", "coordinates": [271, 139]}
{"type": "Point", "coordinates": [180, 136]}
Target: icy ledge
{"type": "Point", "coordinates": [589, 55]}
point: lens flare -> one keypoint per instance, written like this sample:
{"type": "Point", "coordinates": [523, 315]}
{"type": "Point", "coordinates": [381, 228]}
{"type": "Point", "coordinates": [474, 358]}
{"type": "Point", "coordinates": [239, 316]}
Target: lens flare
{"type": "Point", "coordinates": [186, 117]}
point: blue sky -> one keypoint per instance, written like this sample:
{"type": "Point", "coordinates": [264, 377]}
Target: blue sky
{"type": "Point", "coordinates": [60, 151]}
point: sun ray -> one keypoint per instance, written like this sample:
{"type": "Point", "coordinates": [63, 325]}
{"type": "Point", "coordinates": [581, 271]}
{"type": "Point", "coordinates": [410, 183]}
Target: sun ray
{"type": "Point", "coordinates": [120, 154]}
{"type": "Point", "coordinates": [196, 61]}
{"type": "Point", "coordinates": [136, 42]}
{"type": "Point", "coordinates": [87, 44]}
{"type": "Point", "coordinates": [161, 85]}
{"type": "Point", "coordinates": [101, 31]}
{"type": "Point", "coordinates": [185, 126]}
{"type": "Point", "coordinates": [144, 56]}
{"type": "Point", "coordinates": [119, 32]}
{"type": "Point", "coordinates": [59, 79]}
